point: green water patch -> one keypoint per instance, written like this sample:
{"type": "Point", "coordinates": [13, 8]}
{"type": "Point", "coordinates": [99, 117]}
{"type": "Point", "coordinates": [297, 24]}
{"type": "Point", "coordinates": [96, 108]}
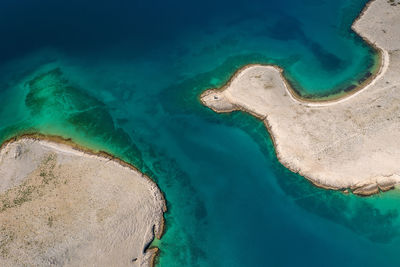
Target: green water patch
{"type": "Point", "coordinates": [55, 105]}
{"type": "Point", "coordinates": [361, 215]}
{"type": "Point", "coordinates": [58, 107]}
{"type": "Point", "coordinates": [185, 96]}
{"type": "Point", "coordinates": [356, 82]}
{"type": "Point", "coordinates": [231, 203]}
{"type": "Point", "coordinates": [375, 218]}
{"type": "Point", "coordinates": [187, 92]}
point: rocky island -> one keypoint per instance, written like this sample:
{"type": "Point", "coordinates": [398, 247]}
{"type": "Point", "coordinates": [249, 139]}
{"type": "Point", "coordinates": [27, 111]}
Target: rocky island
{"type": "Point", "coordinates": [63, 205]}
{"type": "Point", "coordinates": [352, 142]}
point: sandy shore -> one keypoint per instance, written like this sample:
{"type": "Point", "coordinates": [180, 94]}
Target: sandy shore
{"type": "Point", "coordinates": [351, 142]}
{"type": "Point", "coordinates": [64, 205]}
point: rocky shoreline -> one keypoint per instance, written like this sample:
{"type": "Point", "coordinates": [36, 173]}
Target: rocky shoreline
{"type": "Point", "coordinates": [67, 205]}
{"type": "Point", "coordinates": [344, 143]}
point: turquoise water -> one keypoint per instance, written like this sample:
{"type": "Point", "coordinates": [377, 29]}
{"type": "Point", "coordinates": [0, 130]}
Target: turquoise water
{"type": "Point", "coordinates": [125, 77]}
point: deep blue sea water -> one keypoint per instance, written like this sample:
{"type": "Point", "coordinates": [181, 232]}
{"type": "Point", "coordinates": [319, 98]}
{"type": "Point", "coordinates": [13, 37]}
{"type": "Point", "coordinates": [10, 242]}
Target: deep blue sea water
{"type": "Point", "coordinates": [125, 76]}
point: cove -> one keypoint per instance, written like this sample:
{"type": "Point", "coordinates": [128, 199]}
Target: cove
{"type": "Point", "coordinates": [125, 77]}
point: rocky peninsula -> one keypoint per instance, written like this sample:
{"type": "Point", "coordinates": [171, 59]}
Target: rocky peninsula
{"type": "Point", "coordinates": [63, 205]}
{"type": "Point", "coordinates": [348, 143]}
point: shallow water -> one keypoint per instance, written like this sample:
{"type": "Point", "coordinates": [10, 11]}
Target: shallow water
{"type": "Point", "coordinates": [125, 77]}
